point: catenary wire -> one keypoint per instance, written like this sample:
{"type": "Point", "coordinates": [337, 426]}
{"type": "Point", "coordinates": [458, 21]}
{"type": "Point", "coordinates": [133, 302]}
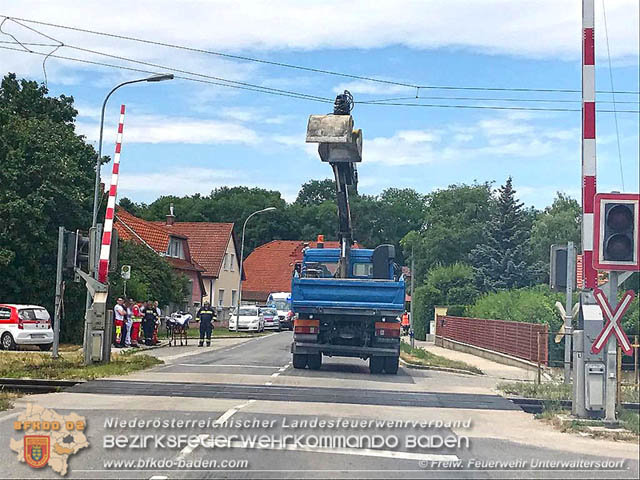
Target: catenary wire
{"type": "Point", "coordinates": [303, 96]}
{"type": "Point", "coordinates": [300, 67]}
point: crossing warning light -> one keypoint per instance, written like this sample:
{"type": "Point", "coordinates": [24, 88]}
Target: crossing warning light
{"type": "Point", "coordinates": [616, 230]}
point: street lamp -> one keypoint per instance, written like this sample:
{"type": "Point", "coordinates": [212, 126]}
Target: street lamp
{"type": "Point", "coordinates": [268, 209]}
{"type": "Point", "coordinates": [153, 78]}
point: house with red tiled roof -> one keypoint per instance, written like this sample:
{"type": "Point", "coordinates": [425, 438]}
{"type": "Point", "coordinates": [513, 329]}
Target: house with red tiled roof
{"type": "Point", "coordinates": [173, 246]}
{"type": "Point", "coordinates": [269, 267]}
{"type": "Point", "coordinates": [212, 246]}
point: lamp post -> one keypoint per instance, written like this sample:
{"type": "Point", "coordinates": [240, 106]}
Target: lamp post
{"type": "Point", "coordinates": [268, 209]}
{"type": "Point", "coordinates": [154, 78]}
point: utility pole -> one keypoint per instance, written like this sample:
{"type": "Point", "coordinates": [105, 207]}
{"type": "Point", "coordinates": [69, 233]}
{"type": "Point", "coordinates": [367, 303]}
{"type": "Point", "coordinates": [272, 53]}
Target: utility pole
{"type": "Point", "coordinates": [411, 331]}
{"type": "Point", "coordinates": [568, 319]}
{"type": "Point", "coordinates": [57, 314]}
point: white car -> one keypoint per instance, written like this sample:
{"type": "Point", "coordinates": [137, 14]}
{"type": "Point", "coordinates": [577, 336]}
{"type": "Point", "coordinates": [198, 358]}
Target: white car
{"type": "Point", "coordinates": [248, 320]}
{"type": "Point", "coordinates": [25, 325]}
{"type": "Point", "coordinates": [270, 318]}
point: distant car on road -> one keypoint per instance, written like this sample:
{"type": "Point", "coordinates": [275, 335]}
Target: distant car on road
{"type": "Point", "coordinates": [25, 325]}
{"type": "Point", "coordinates": [249, 320]}
{"type": "Point", "coordinates": [281, 301]}
{"type": "Point", "coordinates": [270, 318]}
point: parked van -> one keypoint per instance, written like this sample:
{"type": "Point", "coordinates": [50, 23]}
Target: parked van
{"type": "Point", "coordinates": [25, 325]}
{"type": "Point", "coordinates": [281, 301]}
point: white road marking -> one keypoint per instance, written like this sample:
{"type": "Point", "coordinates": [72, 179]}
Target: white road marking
{"type": "Point", "coordinates": [269, 383]}
{"type": "Point", "coordinates": [275, 374]}
{"type": "Point", "coordinates": [366, 452]}
{"type": "Point", "coordinates": [270, 367]}
{"type": "Point", "coordinates": [158, 477]}
{"type": "Point", "coordinates": [219, 421]}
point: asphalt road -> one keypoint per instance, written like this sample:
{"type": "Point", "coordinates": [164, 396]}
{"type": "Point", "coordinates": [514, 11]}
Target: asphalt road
{"type": "Point", "coordinates": [339, 421]}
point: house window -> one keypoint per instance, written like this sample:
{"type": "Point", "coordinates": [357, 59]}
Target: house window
{"type": "Point", "coordinates": [221, 298]}
{"type": "Point", "coordinates": [175, 248]}
{"type": "Point", "coordinates": [234, 297]}
{"type": "Point", "coordinates": [225, 261]}
{"type": "Point", "coordinates": [232, 257]}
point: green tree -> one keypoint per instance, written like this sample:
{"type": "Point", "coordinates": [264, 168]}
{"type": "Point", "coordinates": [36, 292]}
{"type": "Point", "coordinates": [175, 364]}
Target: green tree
{"type": "Point", "coordinates": [453, 224]}
{"type": "Point", "coordinates": [315, 192]}
{"type": "Point", "coordinates": [557, 224]}
{"type": "Point", "coordinates": [500, 260]}
{"type": "Point", "coordinates": [445, 285]}
{"type": "Point", "coordinates": [152, 278]}
{"type": "Point", "coordinates": [46, 178]}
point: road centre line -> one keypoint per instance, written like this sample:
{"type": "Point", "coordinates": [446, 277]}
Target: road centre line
{"type": "Point", "coordinates": [270, 367]}
{"type": "Point", "coordinates": [219, 421]}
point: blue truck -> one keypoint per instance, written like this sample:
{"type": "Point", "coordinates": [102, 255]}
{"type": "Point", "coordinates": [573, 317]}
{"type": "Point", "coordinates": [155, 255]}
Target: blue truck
{"type": "Point", "coordinates": [346, 300]}
{"type": "Point", "coordinates": [348, 317]}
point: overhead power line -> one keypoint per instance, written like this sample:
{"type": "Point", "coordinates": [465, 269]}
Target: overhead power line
{"type": "Point", "coordinates": [304, 68]}
{"type": "Point", "coordinates": [287, 93]}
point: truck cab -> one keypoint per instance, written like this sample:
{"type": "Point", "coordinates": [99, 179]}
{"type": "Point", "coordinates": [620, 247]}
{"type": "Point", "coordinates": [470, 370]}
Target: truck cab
{"type": "Point", "coordinates": [354, 316]}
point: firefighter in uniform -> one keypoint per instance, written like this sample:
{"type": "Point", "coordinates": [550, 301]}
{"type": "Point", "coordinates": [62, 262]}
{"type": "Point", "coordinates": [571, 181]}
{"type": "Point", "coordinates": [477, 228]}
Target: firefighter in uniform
{"type": "Point", "coordinates": [149, 323]}
{"type": "Point", "coordinates": [206, 315]}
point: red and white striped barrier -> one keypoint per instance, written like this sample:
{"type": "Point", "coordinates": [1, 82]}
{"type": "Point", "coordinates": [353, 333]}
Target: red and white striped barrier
{"type": "Point", "coordinates": [588, 141]}
{"type": "Point", "coordinates": [105, 249]}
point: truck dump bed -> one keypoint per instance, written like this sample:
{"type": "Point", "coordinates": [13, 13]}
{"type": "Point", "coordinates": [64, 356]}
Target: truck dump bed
{"type": "Point", "coordinates": [347, 296]}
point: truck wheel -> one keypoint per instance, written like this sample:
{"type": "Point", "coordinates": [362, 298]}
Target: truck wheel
{"type": "Point", "coordinates": [315, 361]}
{"type": "Point", "coordinates": [391, 365]}
{"type": "Point", "coordinates": [376, 364]}
{"type": "Point", "coordinates": [7, 342]}
{"type": "Point", "coordinates": [299, 360]}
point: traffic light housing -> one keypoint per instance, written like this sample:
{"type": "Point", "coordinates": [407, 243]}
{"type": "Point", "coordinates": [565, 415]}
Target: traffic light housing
{"type": "Point", "coordinates": [77, 250]}
{"type": "Point", "coordinates": [558, 269]}
{"type": "Point", "coordinates": [616, 230]}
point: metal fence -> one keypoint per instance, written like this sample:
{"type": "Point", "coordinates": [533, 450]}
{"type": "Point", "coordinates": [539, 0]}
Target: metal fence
{"type": "Point", "coordinates": [518, 339]}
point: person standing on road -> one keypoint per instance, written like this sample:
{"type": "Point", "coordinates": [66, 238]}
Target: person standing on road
{"type": "Point", "coordinates": [128, 323]}
{"type": "Point", "coordinates": [149, 323]}
{"type": "Point", "coordinates": [119, 316]}
{"type": "Point", "coordinates": [158, 321]}
{"type": "Point", "coordinates": [205, 316]}
{"type": "Point", "coordinates": [136, 320]}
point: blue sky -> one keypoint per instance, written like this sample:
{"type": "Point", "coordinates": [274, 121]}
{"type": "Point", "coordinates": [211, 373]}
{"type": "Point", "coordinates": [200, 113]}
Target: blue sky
{"type": "Point", "coordinates": [184, 137]}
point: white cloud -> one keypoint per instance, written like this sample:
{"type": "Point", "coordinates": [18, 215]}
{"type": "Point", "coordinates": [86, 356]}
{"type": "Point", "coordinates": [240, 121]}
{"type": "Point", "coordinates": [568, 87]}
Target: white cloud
{"type": "Point", "coordinates": [188, 181]}
{"type": "Point", "coordinates": [510, 134]}
{"type": "Point", "coordinates": [183, 181]}
{"type": "Point", "coordinates": [540, 29]}
{"type": "Point", "coordinates": [370, 88]}
{"type": "Point", "coordinates": [161, 129]}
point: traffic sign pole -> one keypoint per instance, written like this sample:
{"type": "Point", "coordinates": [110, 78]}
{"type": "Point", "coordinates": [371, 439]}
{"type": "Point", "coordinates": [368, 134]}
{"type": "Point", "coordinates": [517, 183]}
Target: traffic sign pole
{"type": "Point", "coordinates": [568, 319]}
{"type": "Point", "coordinates": [612, 351]}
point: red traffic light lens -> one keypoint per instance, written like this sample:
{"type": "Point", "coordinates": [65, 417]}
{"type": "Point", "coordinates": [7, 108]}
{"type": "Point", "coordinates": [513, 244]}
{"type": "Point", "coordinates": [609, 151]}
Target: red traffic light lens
{"type": "Point", "coordinates": [620, 217]}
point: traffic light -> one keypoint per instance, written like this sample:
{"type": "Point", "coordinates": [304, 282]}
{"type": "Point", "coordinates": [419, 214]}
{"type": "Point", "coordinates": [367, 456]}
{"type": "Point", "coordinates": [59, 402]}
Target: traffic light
{"type": "Point", "coordinates": [558, 267]}
{"type": "Point", "coordinates": [77, 250]}
{"type": "Point", "coordinates": [616, 229]}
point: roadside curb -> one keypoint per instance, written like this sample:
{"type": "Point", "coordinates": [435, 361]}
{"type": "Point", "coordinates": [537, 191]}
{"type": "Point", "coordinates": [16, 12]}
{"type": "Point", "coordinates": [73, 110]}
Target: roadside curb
{"type": "Point", "coordinates": [441, 369]}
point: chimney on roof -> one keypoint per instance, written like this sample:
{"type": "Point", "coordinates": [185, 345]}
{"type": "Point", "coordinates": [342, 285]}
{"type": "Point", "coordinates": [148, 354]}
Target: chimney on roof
{"type": "Point", "coordinates": [171, 218]}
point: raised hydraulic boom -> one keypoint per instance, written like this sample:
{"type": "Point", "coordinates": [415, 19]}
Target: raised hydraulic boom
{"type": "Point", "coordinates": [341, 146]}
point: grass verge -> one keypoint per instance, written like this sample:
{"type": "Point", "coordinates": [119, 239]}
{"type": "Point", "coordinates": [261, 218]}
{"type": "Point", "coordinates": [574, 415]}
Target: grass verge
{"type": "Point", "coordinates": [5, 400]}
{"type": "Point", "coordinates": [70, 366]}
{"type": "Point", "coordinates": [420, 356]}
{"type": "Point", "coordinates": [554, 391]}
